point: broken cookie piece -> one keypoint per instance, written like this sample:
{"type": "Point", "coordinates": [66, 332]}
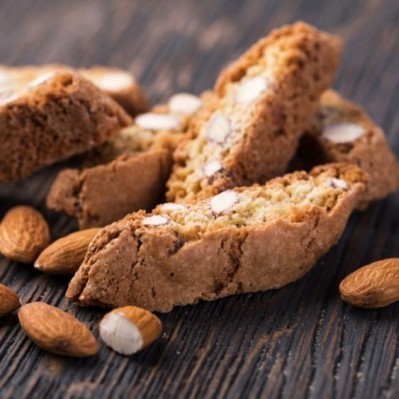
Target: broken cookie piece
{"type": "Point", "coordinates": [117, 83]}
{"type": "Point", "coordinates": [342, 132]}
{"type": "Point", "coordinates": [51, 118]}
{"type": "Point", "coordinates": [263, 102]}
{"type": "Point", "coordinates": [242, 240]}
{"type": "Point", "coordinates": [128, 173]}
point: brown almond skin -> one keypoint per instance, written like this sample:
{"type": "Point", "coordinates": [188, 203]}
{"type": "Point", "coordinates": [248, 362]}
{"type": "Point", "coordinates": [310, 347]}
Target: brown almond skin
{"type": "Point", "coordinates": [372, 286]}
{"type": "Point", "coordinates": [56, 331]}
{"type": "Point", "coordinates": [147, 323]}
{"type": "Point", "coordinates": [24, 233]}
{"type": "Point", "coordinates": [65, 255]}
{"type": "Point", "coordinates": [9, 300]}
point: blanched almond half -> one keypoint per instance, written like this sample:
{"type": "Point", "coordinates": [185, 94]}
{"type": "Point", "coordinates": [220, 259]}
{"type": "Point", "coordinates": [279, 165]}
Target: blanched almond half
{"type": "Point", "coordinates": [343, 132]}
{"type": "Point", "coordinates": [65, 255]}
{"type": "Point", "coordinates": [9, 300]}
{"type": "Point", "coordinates": [184, 103]}
{"type": "Point", "coordinates": [56, 331]}
{"type": "Point", "coordinates": [251, 89]}
{"type": "Point", "coordinates": [223, 201]}
{"type": "Point", "coordinates": [338, 183]}
{"type": "Point", "coordinates": [114, 81]}
{"type": "Point", "coordinates": [153, 121]}
{"type": "Point", "coordinates": [212, 167]}
{"type": "Point", "coordinates": [129, 329]}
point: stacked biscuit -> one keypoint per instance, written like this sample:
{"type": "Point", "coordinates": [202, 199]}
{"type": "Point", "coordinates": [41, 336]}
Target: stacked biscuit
{"type": "Point", "coordinates": [235, 222]}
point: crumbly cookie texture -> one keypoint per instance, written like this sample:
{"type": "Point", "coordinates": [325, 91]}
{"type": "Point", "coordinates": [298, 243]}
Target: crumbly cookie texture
{"type": "Point", "coordinates": [128, 173]}
{"type": "Point", "coordinates": [342, 132]}
{"type": "Point", "coordinates": [242, 240]}
{"type": "Point", "coordinates": [264, 102]}
{"type": "Point", "coordinates": [52, 118]}
{"type": "Point", "coordinates": [117, 83]}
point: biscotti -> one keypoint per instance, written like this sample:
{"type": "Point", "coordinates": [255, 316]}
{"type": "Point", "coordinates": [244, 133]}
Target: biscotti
{"type": "Point", "coordinates": [51, 119]}
{"type": "Point", "coordinates": [117, 83]}
{"type": "Point", "coordinates": [342, 132]}
{"type": "Point", "coordinates": [265, 101]}
{"type": "Point", "coordinates": [242, 240]}
{"type": "Point", "coordinates": [128, 173]}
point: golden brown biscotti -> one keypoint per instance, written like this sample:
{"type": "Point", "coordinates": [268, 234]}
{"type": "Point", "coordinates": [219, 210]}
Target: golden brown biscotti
{"type": "Point", "coordinates": [117, 83]}
{"type": "Point", "coordinates": [128, 173]}
{"type": "Point", "coordinates": [265, 101]}
{"type": "Point", "coordinates": [243, 240]}
{"type": "Point", "coordinates": [342, 132]}
{"type": "Point", "coordinates": [53, 118]}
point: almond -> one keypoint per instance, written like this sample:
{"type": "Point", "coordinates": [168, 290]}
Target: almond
{"type": "Point", "coordinates": [9, 300]}
{"type": "Point", "coordinates": [373, 286]}
{"type": "Point", "coordinates": [56, 331]}
{"type": "Point", "coordinates": [65, 255]}
{"type": "Point", "coordinates": [155, 220]}
{"type": "Point", "coordinates": [223, 201]}
{"type": "Point", "coordinates": [24, 233]}
{"type": "Point", "coordinates": [129, 329]}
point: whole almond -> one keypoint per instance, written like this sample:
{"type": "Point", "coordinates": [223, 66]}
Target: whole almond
{"type": "Point", "coordinates": [9, 300]}
{"type": "Point", "coordinates": [373, 286]}
{"type": "Point", "coordinates": [129, 329]}
{"type": "Point", "coordinates": [56, 331]}
{"type": "Point", "coordinates": [65, 255]}
{"type": "Point", "coordinates": [24, 233]}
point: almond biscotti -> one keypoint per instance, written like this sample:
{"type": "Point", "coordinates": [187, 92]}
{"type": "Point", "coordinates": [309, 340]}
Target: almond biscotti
{"type": "Point", "coordinates": [242, 240]}
{"type": "Point", "coordinates": [342, 132]}
{"type": "Point", "coordinates": [52, 118]}
{"type": "Point", "coordinates": [117, 83]}
{"type": "Point", "coordinates": [129, 172]}
{"type": "Point", "coordinates": [265, 101]}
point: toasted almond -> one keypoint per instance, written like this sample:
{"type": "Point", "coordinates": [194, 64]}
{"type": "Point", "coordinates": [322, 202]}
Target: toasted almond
{"type": "Point", "coordinates": [129, 329]}
{"type": "Point", "coordinates": [373, 286]}
{"type": "Point", "coordinates": [24, 233]}
{"type": "Point", "coordinates": [56, 331]}
{"type": "Point", "coordinates": [65, 255]}
{"type": "Point", "coordinates": [9, 300]}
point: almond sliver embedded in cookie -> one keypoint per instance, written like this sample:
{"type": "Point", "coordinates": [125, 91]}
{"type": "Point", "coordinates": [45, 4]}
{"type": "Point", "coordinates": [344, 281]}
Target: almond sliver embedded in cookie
{"type": "Point", "coordinates": [184, 103]}
{"type": "Point", "coordinates": [43, 78]}
{"type": "Point", "coordinates": [251, 89]}
{"type": "Point", "coordinates": [343, 132]}
{"type": "Point", "coordinates": [155, 220]}
{"type": "Point", "coordinates": [218, 129]}
{"type": "Point", "coordinates": [154, 121]}
{"type": "Point", "coordinates": [223, 201]}
{"type": "Point", "coordinates": [338, 183]}
{"type": "Point", "coordinates": [171, 206]}
{"type": "Point", "coordinates": [115, 81]}
{"type": "Point", "coordinates": [212, 167]}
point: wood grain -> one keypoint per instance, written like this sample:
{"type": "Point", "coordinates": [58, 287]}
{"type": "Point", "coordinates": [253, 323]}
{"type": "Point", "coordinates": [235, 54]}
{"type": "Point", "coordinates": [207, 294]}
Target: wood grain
{"type": "Point", "coordinates": [300, 341]}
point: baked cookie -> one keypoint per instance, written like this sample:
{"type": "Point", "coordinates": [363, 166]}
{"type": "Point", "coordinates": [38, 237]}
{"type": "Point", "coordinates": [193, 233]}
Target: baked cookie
{"type": "Point", "coordinates": [242, 240]}
{"type": "Point", "coordinates": [128, 173]}
{"type": "Point", "coordinates": [51, 118]}
{"type": "Point", "coordinates": [265, 101]}
{"type": "Point", "coordinates": [117, 83]}
{"type": "Point", "coordinates": [342, 132]}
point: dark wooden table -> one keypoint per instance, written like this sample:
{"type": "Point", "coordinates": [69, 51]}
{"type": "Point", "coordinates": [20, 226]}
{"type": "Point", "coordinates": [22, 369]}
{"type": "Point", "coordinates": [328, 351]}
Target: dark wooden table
{"type": "Point", "coordinates": [300, 341]}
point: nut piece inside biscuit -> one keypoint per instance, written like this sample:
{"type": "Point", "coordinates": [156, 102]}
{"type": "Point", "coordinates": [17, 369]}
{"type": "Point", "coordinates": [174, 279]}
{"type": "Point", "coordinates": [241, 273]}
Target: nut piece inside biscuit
{"type": "Point", "coordinates": [211, 167]}
{"type": "Point", "coordinates": [40, 79]}
{"type": "Point", "coordinates": [114, 81]}
{"type": "Point", "coordinates": [338, 183]}
{"type": "Point", "coordinates": [154, 121]}
{"type": "Point", "coordinates": [343, 132]}
{"type": "Point", "coordinates": [218, 129]}
{"type": "Point", "coordinates": [251, 89]}
{"type": "Point", "coordinates": [155, 220]}
{"type": "Point", "coordinates": [171, 206]}
{"type": "Point", "coordinates": [223, 201]}
{"type": "Point", "coordinates": [184, 103]}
